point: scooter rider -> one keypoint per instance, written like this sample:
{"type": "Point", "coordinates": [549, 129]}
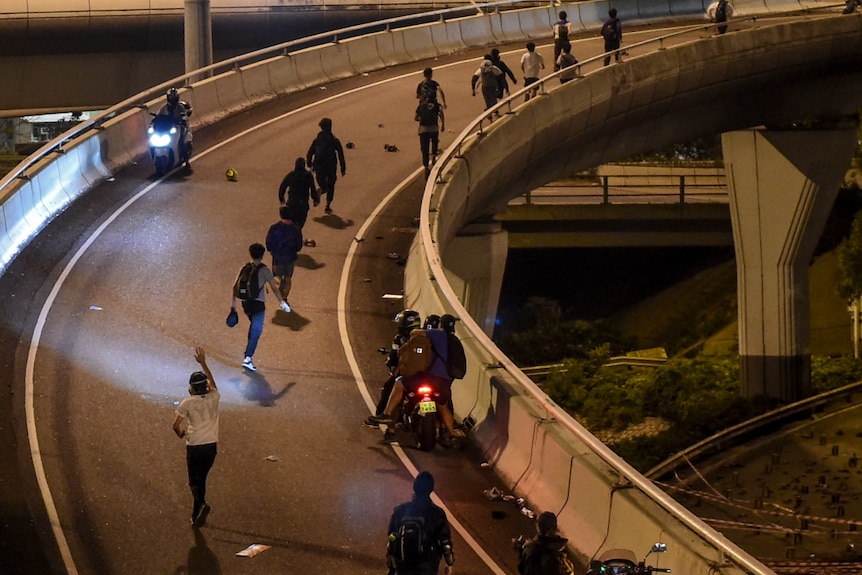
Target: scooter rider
{"type": "Point", "coordinates": [179, 111]}
{"type": "Point", "coordinates": [407, 321]}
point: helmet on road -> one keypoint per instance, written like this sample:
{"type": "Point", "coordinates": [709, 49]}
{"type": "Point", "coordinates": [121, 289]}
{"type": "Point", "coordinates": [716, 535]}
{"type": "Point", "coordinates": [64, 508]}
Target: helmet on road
{"type": "Point", "coordinates": [173, 96]}
{"type": "Point", "coordinates": [408, 319]}
{"type": "Point", "coordinates": [231, 174]}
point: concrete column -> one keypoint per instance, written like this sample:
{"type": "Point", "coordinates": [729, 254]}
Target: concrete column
{"type": "Point", "coordinates": [198, 36]}
{"type": "Point", "coordinates": [474, 262]}
{"type": "Point", "coordinates": [782, 186]}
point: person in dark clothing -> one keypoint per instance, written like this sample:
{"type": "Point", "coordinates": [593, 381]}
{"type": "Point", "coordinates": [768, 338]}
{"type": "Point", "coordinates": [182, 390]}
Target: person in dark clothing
{"type": "Point", "coordinates": [284, 241]}
{"type": "Point", "coordinates": [299, 185]}
{"type": "Point", "coordinates": [612, 32]}
{"type": "Point", "coordinates": [546, 552]}
{"type": "Point", "coordinates": [431, 120]}
{"type": "Point", "coordinates": [324, 156]}
{"type": "Point", "coordinates": [429, 89]}
{"type": "Point", "coordinates": [502, 84]}
{"type": "Point", "coordinates": [436, 532]}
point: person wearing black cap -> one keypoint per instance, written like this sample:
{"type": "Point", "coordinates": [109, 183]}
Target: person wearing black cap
{"type": "Point", "coordinates": [324, 156]}
{"type": "Point", "coordinates": [197, 423]}
{"type": "Point", "coordinates": [419, 534]}
{"type": "Point", "coordinates": [546, 552]}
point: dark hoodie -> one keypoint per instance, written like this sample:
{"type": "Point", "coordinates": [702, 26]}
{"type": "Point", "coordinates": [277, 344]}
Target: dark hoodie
{"type": "Point", "coordinates": [544, 555]}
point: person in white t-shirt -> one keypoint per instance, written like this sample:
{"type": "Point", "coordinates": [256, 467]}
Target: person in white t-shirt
{"type": "Point", "coordinates": [532, 64]}
{"type": "Point", "coordinates": [197, 422]}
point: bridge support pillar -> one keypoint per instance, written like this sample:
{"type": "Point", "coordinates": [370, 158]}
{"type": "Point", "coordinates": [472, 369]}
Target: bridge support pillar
{"type": "Point", "coordinates": [198, 36]}
{"type": "Point", "coordinates": [782, 187]}
{"type": "Point", "coordinates": [475, 261]}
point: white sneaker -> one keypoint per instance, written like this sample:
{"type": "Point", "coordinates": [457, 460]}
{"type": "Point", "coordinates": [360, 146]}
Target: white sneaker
{"type": "Point", "coordinates": [285, 306]}
{"type": "Point", "coordinates": [246, 363]}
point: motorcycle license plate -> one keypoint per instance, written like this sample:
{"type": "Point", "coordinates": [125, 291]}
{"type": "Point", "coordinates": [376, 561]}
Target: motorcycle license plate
{"type": "Point", "coordinates": [427, 407]}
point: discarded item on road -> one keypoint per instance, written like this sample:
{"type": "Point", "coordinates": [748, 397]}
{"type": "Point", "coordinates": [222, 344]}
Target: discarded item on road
{"type": "Point", "coordinates": [252, 550]}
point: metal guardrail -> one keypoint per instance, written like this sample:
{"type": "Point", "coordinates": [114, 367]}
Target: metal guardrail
{"type": "Point", "coordinates": [56, 146]}
{"type": "Point", "coordinates": [678, 188]}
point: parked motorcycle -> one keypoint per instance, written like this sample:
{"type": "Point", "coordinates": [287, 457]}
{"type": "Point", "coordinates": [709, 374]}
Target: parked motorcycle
{"type": "Point", "coordinates": [625, 562]}
{"type": "Point", "coordinates": [166, 142]}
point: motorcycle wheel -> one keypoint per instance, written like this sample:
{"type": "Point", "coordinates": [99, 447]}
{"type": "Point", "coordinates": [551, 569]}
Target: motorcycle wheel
{"type": "Point", "coordinates": [161, 165]}
{"type": "Point", "coordinates": [426, 431]}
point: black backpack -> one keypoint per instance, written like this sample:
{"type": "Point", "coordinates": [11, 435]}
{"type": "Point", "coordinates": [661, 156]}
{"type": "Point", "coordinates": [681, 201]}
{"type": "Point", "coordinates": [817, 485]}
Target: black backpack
{"type": "Point", "coordinates": [543, 560]}
{"type": "Point", "coordinates": [428, 113]}
{"type": "Point", "coordinates": [427, 91]}
{"type": "Point", "coordinates": [246, 287]}
{"type": "Point", "coordinates": [408, 543]}
{"type": "Point", "coordinates": [456, 360]}
{"type": "Point", "coordinates": [609, 30]}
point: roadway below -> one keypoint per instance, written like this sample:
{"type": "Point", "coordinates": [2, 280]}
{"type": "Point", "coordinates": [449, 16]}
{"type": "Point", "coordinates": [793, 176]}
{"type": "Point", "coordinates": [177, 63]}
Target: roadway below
{"type": "Point", "coordinates": [109, 301]}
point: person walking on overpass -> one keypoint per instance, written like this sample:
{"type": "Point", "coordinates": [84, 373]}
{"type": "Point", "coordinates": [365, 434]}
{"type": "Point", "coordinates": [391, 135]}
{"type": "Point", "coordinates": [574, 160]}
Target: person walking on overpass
{"type": "Point", "coordinates": [487, 76]}
{"type": "Point", "coordinates": [502, 84]}
{"type": "Point", "coordinates": [432, 121]}
{"type": "Point", "coordinates": [720, 12]}
{"type": "Point", "coordinates": [562, 29]}
{"type": "Point", "coordinates": [612, 32]}
{"type": "Point", "coordinates": [324, 156]}
{"type": "Point", "coordinates": [197, 423]}
{"type": "Point", "coordinates": [532, 64]}
{"type": "Point", "coordinates": [429, 89]}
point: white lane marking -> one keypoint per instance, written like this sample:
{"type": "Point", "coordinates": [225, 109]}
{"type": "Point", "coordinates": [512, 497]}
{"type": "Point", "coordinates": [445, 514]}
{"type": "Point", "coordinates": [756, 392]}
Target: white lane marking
{"type": "Point", "coordinates": [29, 410]}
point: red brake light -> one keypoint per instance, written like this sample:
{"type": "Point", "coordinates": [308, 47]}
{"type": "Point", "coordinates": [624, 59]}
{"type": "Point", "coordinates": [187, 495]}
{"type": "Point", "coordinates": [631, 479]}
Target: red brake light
{"type": "Point", "coordinates": [424, 390]}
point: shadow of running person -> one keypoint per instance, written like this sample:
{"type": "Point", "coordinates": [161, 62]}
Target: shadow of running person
{"type": "Point", "coordinates": [292, 320]}
{"type": "Point", "coordinates": [201, 560]}
{"type": "Point", "coordinates": [334, 222]}
{"type": "Point", "coordinates": [257, 389]}
{"type": "Point", "coordinates": [308, 262]}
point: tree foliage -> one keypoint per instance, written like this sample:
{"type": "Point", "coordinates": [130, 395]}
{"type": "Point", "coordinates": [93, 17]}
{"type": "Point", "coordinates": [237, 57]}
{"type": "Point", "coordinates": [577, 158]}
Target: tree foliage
{"type": "Point", "coordinates": [850, 262]}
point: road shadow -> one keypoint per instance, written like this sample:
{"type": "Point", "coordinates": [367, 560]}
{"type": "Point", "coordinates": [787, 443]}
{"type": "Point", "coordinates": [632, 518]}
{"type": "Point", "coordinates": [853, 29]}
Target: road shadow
{"type": "Point", "coordinates": [201, 559]}
{"type": "Point", "coordinates": [256, 388]}
{"type": "Point", "coordinates": [334, 221]}
{"type": "Point", "coordinates": [292, 320]}
{"type": "Point", "coordinates": [308, 262]}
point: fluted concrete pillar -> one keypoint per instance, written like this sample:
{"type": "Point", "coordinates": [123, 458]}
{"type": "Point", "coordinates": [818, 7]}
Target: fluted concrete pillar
{"type": "Point", "coordinates": [782, 186]}
{"type": "Point", "coordinates": [198, 35]}
{"type": "Point", "coordinates": [475, 261]}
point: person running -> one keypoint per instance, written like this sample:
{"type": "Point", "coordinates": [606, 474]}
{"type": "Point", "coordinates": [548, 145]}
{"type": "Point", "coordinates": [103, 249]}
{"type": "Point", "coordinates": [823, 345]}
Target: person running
{"type": "Point", "coordinates": [249, 287]}
{"type": "Point", "coordinates": [284, 242]}
{"type": "Point", "coordinates": [502, 84]}
{"type": "Point", "coordinates": [299, 186]}
{"type": "Point", "coordinates": [432, 121]}
{"type": "Point", "coordinates": [487, 75]}
{"type": "Point", "coordinates": [324, 156]}
{"type": "Point", "coordinates": [612, 32]}
{"type": "Point", "coordinates": [562, 30]}
{"type": "Point", "coordinates": [197, 423]}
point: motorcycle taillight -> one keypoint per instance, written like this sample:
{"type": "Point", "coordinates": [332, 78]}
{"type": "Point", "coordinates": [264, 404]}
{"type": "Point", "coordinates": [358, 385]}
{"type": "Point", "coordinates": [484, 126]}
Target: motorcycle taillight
{"type": "Point", "coordinates": [425, 389]}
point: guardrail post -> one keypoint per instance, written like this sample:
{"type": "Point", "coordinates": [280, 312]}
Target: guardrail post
{"type": "Point", "coordinates": [682, 189]}
{"type": "Point", "coordinates": [605, 195]}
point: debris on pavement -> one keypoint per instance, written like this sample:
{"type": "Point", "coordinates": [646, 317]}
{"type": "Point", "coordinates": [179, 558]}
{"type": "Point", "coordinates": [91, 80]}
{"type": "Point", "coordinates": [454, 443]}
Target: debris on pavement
{"type": "Point", "coordinates": [252, 550]}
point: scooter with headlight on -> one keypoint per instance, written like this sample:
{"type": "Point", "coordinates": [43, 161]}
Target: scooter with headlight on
{"type": "Point", "coordinates": [167, 143]}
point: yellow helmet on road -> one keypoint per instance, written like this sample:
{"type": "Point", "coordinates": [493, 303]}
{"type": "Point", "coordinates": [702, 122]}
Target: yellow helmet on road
{"type": "Point", "coordinates": [231, 174]}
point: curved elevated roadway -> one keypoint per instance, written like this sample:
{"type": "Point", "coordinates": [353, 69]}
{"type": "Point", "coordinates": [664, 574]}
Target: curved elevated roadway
{"type": "Point", "coordinates": [105, 305]}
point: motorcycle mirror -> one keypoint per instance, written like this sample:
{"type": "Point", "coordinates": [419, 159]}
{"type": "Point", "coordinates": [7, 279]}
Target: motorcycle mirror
{"type": "Point", "coordinates": [657, 548]}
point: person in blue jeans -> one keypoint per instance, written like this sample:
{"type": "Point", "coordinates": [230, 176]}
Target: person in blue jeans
{"type": "Point", "coordinates": [255, 307]}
